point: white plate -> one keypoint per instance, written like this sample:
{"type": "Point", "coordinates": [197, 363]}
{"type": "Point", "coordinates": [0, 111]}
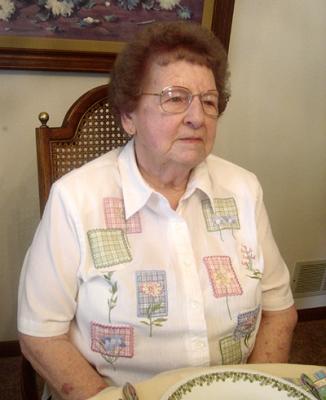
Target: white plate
{"type": "Point", "coordinates": [235, 384]}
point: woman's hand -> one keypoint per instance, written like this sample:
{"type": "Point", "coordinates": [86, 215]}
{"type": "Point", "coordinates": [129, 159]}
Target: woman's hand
{"type": "Point", "coordinates": [58, 361]}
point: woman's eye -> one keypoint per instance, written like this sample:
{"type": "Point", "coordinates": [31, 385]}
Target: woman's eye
{"type": "Point", "coordinates": [177, 99]}
{"type": "Point", "coordinates": [210, 102]}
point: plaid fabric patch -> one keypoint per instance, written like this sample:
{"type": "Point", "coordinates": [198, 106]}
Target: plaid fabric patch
{"type": "Point", "coordinates": [115, 217]}
{"type": "Point", "coordinates": [246, 323]}
{"type": "Point", "coordinates": [222, 276]}
{"type": "Point", "coordinates": [151, 291]}
{"type": "Point", "coordinates": [112, 340]}
{"type": "Point", "coordinates": [109, 247]}
{"type": "Point", "coordinates": [230, 350]}
{"type": "Point", "coordinates": [223, 216]}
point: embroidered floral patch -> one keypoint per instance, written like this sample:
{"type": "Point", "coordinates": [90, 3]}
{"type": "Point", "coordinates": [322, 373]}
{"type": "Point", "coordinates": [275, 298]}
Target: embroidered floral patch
{"type": "Point", "coordinates": [152, 298]}
{"type": "Point", "coordinates": [230, 350]}
{"type": "Point", "coordinates": [112, 340]}
{"type": "Point", "coordinates": [223, 279]}
{"type": "Point", "coordinates": [222, 276]}
{"type": "Point", "coordinates": [109, 247]}
{"type": "Point", "coordinates": [246, 325]}
{"type": "Point", "coordinates": [248, 258]}
{"type": "Point", "coordinates": [223, 216]}
{"type": "Point", "coordinates": [115, 217]}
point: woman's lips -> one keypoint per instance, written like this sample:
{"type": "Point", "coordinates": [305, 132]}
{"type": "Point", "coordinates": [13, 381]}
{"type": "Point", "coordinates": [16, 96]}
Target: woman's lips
{"type": "Point", "coordinates": [191, 139]}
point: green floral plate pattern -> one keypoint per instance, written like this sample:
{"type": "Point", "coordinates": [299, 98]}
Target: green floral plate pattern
{"type": "Point", "coordinates": [237, 382]}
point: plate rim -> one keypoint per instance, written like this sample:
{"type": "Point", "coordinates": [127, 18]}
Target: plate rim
{"type": "Point", "coordinates": [218, 370]}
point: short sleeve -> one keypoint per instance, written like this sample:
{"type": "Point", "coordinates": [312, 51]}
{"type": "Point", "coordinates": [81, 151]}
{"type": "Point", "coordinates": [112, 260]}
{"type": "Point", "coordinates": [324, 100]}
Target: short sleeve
{"type": "Point", "coordinates": [276, 291]}
{"type": "Point", "coordinates": [48, 281]}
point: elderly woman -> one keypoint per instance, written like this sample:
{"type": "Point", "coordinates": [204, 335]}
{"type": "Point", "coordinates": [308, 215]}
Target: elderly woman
{"type": "Point", "coordinates": [157, 255]}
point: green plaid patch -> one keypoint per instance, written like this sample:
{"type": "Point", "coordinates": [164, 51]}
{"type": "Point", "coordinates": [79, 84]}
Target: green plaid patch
{"type": "Point", "coordinates": [223, 216]}
{"type": "Point", "coordinates": [231, 350]}
{"type": "Point", "coordinates": [109, 247]}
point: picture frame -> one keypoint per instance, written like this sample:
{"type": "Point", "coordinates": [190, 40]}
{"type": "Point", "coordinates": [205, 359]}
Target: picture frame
{"type": "Point", "coordinates": [19, 52]}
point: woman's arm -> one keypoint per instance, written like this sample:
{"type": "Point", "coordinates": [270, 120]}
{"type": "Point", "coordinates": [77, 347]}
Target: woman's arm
{"type": "Point", "coordinates": [274, 337]}
{"type": "Point", "coordinates": [58, 361]}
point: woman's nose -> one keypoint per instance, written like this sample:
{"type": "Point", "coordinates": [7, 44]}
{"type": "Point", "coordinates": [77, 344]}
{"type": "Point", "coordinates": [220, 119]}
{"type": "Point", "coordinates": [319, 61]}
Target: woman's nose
{"type": "Point", "coordinates": [195, 113]}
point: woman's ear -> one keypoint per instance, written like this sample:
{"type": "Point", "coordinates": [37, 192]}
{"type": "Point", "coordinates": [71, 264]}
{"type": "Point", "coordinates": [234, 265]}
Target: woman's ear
{"type": "Point", "coordinates": [128, 123]}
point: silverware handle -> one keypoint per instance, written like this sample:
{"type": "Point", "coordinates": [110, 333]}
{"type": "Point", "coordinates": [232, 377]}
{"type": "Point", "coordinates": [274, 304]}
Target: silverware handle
{"type": "Point", "coordinates": [129, 392]}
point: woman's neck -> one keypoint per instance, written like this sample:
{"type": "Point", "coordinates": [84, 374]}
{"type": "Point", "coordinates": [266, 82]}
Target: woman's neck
{"type": "Point", "coordinates": [170, 183]}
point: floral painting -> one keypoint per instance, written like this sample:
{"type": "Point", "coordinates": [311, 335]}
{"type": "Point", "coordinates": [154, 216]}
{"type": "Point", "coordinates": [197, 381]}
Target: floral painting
{"type": "Point", "coordinates": [109, 20]}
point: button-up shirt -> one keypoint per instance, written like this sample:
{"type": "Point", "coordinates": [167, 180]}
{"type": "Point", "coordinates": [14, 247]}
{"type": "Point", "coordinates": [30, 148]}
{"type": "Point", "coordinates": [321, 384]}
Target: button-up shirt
{"type": "Point", "coordinates": [144, 288]}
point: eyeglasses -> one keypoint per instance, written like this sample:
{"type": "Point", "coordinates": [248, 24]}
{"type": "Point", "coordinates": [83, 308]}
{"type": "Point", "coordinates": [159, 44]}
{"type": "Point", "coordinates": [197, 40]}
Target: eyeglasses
{"type": "Point", "coordinates": [177, 99]}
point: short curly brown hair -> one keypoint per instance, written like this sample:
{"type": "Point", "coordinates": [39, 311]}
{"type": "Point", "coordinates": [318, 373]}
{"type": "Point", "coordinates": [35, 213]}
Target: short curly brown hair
{"type": "Point", "coordinates": [166, 42]}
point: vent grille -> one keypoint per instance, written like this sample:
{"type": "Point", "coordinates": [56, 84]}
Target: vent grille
{"type": "Point", "coordinates": [309, 279]}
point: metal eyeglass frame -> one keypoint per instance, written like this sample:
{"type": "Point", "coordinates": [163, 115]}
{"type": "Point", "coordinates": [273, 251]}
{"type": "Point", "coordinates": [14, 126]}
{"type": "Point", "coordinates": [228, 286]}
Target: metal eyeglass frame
{"type": "Point", "coordinates": [189, 97]}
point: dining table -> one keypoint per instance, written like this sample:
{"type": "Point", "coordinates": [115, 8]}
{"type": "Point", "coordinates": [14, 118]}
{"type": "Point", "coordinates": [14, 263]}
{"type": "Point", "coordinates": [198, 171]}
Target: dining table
{"type": "Point", "coordinates": [156, 387]}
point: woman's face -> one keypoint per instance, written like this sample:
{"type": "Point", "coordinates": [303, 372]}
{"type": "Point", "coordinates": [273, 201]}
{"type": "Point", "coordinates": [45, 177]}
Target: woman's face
{"type": "Point", "coordinates": [172, 140]}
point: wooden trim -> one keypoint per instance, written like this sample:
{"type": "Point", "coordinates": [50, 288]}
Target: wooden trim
{"type": "Point", "coordinates": [222, 21]}
{"type": "Point", "coordinates": [10, 349]}
{"type": "Point", "coordinates": [310, 314]}
{"type": "Point", "coordinates": [52, 60]}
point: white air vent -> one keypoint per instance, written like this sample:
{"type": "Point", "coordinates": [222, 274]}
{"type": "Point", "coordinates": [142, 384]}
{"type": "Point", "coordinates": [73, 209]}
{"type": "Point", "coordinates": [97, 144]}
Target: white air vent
{"type": "Point", "coordinates": [309, 279]}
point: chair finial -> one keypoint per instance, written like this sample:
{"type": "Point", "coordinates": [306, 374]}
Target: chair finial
{"type": "Point", "coordinates": [43, 118]}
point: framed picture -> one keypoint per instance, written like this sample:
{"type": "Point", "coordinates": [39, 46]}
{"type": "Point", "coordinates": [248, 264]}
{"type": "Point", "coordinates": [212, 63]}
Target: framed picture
{"type": "Point", "coordinates": [86, 35]}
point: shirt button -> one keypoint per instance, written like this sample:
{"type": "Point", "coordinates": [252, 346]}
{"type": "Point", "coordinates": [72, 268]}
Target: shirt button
{"type": "Point", "coordinates": [187, 263]}
{"type": "Point", "coordinates": [198, 344]}
{"type": "Point", "coordinates": [195, 305]}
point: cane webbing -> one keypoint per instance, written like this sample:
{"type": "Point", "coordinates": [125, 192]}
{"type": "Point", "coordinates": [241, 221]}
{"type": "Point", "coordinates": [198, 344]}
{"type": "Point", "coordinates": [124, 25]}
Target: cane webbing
{"type": "Point", "coordinates": [98, 132]}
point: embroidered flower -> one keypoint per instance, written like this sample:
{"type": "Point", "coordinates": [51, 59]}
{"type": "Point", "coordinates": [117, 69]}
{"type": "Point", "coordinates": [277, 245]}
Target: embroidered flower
{"type": "Point", "coordinates": [222, 279]}
{"type": "Point", "coordinates": [152, 299]}
{"type": "Point", "coordinates": [246, 325]}
{"type": "Point", "coordinates": [168, 4]}
{"type": "Point", "coordinates": [58, 7]}
{"type": "Point", "coordinates": [248, 258]}
{"type": "Point", "coordinates": [7, 8]}
{"type": "Point", "coordinates": [225, 220]}
{"type": "Point", "coordinates": [151, 288]}
{"type": "Point", "coordinates": [113, 344]}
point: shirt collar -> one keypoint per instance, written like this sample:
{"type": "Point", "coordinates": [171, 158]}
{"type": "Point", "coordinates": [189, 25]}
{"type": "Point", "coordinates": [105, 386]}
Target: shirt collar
{"type": "Point", "coordinates": [136, 191]}
{"type": "Point", "coordinates": [200, 179]}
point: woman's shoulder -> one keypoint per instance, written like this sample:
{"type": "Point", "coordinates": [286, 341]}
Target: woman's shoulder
{"type": "Point", "coordinates": [230, 175]}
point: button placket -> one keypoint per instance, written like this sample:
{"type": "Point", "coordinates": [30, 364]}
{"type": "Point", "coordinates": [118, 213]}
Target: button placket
{"type": "Point", "coordinates": [197, 345]}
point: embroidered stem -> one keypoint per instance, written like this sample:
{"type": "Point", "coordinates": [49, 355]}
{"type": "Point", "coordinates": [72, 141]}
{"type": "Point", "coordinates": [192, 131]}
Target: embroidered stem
{"type": "Point", "coordinates": [150, 326]}
{"type": "Point", "coordinates": [113, 290]}
{"type": "Point", "coordinates": [110, 360]}
{"type": "Point", "coordinates": [151, 310]}
{"type": "Point", "coordinates": [227, 303]}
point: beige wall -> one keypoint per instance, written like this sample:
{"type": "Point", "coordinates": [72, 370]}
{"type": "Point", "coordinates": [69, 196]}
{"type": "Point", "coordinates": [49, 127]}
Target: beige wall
{"type": "Point", "coordinates": [22, 96]}
{"type": "Point", "coordinates": [275, 126]}
{"type": "Point", "coordinates": [276, 121]}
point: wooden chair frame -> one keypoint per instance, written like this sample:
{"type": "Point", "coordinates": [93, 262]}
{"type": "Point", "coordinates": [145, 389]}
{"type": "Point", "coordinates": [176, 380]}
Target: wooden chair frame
{"type": "Point", "coordinates": [45, 136]}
